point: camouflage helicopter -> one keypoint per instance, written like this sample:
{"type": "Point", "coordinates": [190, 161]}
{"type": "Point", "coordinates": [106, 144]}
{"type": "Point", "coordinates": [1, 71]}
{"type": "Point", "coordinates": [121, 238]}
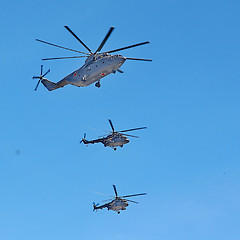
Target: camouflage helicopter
{"type": "Point", "coordinates": [114, 139]}
{"type": "Point", "coordinates": [97, 65]}
{"type": "Point", "coordinates": [118, 203]}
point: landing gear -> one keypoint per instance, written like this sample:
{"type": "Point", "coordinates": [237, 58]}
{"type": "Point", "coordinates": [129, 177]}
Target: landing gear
{"type": "Point", "coordinates": [97, 84]}
{"type": "Point", "coordinates": [121, 146]}
{"type": "Point", "coordinates": [114, 149]}
{"type": "Point", "coordinates": [118, 212]}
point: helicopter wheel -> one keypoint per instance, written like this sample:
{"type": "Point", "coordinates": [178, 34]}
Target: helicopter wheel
{"type": "Point", "coordinates": [97, 84]}
{"type": "Point", "coordinates": [115, 149]}
{"type": "Point", "coordinates": [121, 146]}
{"type": "Point", "coordinates": [118, 212]}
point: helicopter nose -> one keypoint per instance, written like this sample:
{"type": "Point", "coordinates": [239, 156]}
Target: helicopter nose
{"type": "Point", "coordinates": [123, 59]}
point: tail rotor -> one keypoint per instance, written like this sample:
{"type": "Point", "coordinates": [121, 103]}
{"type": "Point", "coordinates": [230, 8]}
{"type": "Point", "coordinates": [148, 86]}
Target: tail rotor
{"type": "Point", "coordinates": [41, 77]}
{"type": "Point", "coordinates": [84, 138]}
{"type": "Point", "coordinates": [95, 206]}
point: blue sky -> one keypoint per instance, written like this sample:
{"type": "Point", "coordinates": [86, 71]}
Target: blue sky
{"type": "Point", "coordinates": [188, 97]}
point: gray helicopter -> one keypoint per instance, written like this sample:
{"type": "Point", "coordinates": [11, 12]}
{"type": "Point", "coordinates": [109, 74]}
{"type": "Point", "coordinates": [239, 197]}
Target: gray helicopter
{"type": "Point", "coordinates": [118, 203]}
{"type": "Point", "coordinates": [97, 65]}
{"type": "Point", "coordinates": [114, 139]}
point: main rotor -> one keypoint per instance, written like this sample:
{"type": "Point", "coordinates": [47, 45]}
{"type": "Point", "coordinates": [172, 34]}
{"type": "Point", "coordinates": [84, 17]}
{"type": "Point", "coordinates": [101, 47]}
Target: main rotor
{"type": "Point", "coordinates": [122, 132]}
{"type": "Point", "coordinates": [122, 197]}
{"type": "Point", "coordinates": [90, 52]}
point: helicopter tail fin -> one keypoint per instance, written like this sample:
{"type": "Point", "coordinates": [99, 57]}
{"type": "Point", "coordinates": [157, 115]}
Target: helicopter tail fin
{"type": "Point", "coordinates": [48, 84]}
{"type": "Point", "coordinates": [52, 86]}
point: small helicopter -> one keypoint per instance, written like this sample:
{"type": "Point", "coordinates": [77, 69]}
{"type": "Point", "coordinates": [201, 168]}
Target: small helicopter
{"type": "Point", "coordinates": [97, 65]}
{"type": "Point", "coordinates": [114, 139]}
{"type": "Point", "coordinates": [118, 203]}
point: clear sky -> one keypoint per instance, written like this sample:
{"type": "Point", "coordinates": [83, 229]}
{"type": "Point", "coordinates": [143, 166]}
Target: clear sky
{"type": "Point", "coordinates": [188, 97]}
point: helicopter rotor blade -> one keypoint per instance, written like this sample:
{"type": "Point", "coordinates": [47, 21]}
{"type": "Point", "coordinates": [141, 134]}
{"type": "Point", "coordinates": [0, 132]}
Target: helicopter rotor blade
{"type": "Point", "coordinates": [139, 59]}
{"type": "Point", "coordinates": [133, 195]}
{"type": "Point", "coordinates": [40, 77]}
{"type": "Point", "coordinates": [99, 129]}
{"type": "Point", "coordinates": [131, 46]}
{"type": "Point", "coordinates": [133, 129]}
{"type": "Point", "coordinates": [130, 135]}
{"type": "Point", "coordinates": [103, 194]}
{"type": "Point", "coordinates": [69, 49]}
{"type": "Point", "coordinates": [37, 85]}
{"type": "Point", "coordinates": [131, 201]}
{"type": "Point", "coordinates": [57, 58]}
{"type": "Point", "coordinates": [84, 136]}
{"type": "Point", "coordinates": [46, 73]}
{"type": "Point", "coordinates": [105, 39]}
{"type": "Point", "coordinates": [95, 204]}
{"type": "Point", "coordinates": [103, 136]}
{"type": "Point", "coordinates": [115, 190]}
{"type": "Point", "coordinates": [78, 38]}
{"type": "Point", "coordinates": [110, 199]}
{"type": "Point", "coordinates": [111, 124]}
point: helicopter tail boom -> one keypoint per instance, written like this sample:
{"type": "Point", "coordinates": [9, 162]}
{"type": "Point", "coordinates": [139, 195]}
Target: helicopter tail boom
{"type": "Point", "coordinates": [53, 86]}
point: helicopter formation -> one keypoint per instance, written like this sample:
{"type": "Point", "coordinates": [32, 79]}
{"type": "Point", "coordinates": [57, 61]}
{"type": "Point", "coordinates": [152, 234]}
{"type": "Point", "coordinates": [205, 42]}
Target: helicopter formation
{"type": "Point", "coordinates": [97, 66]}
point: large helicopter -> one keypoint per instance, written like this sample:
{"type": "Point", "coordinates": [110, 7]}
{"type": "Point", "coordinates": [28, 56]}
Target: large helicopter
{"type": "Point", "coordinates": [97, 65]}
{"type": "Point", "coordinates": [114, 139]}
{"type": "Point", "coordinates": [118, 203]}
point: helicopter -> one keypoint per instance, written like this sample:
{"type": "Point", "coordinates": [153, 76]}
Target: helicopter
{"type": "Point", "coordinates": [114, 139]}
{"type": "Point", "coordinates": [118, 203]}
{"type": "Point", "coordinates": [96, 66]}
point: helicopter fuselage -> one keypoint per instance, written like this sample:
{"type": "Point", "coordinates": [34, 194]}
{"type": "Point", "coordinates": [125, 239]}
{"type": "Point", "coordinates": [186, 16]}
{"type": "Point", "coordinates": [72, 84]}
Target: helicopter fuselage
{"type": "Point", "coordinates": [118, 204]}
{"type": "Point", "coordinates": [113, 140]}
{"type": "Point", "coordinates": [96, 67]}
{"type": "Point", "coordinates": [115, 205]}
